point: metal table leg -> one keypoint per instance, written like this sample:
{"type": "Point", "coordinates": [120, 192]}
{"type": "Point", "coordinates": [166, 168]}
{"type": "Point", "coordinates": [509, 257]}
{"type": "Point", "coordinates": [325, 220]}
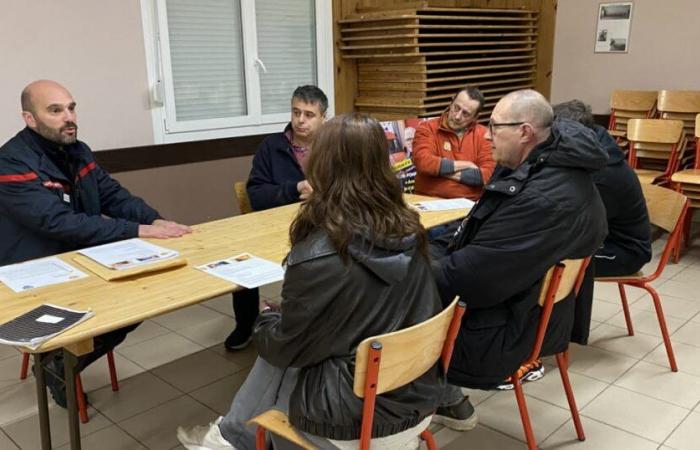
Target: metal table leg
{"type": "Point", "coordinates": [42, 401]}
{"type": "Point", "coordinates": [70, 362]}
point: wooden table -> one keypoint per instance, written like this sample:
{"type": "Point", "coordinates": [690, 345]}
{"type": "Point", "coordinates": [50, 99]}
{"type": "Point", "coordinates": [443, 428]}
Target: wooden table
{"type": "Point", "coordinates": [120, 303]}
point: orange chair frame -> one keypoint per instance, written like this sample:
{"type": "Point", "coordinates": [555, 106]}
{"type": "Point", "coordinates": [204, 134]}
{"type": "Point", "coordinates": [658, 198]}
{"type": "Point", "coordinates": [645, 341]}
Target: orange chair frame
{"type": "Point", "coordinates": [550, 292]}
{"type": "Point", "coordinates": [82, 406]}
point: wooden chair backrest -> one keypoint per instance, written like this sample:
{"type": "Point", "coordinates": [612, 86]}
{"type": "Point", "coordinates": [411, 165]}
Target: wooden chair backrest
{"type": "Point", "coordinates": [567, 283]}
{"type": "Point", "coordinates": [641, 101]}
{"type": "Point", "coordinates": [242, 196]}
{"type": "Point", "coordinates": [656, 131]}
{"type": "Point", "coordinates": [679, 101]}
{"type": "Point", "coordinates": [664, 205]}
{"type": "Point", "coordinates": [406, 354]}
{"type": "Point", "coordinates": [697, 126]}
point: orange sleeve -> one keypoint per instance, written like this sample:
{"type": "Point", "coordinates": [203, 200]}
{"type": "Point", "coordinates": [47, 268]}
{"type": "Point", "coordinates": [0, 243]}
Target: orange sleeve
{"type": "Point", "coordinates": [426, 153]}
{"type": "Point", "coordinates": [484, 157]}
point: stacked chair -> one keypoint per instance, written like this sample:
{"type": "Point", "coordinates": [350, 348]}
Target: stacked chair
{"type": "Point", "coordinates": [688, 182]}
{"type": "Point", "coordinates": [625, 105]}
{"type": "Point", "coordinates": [685, 106]}
{"type": "Point", "coordinates": [654, 146]}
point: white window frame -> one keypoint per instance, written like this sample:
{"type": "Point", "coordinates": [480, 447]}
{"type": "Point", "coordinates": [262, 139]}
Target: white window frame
{"type": "Point", "coordinates": [161, 93]}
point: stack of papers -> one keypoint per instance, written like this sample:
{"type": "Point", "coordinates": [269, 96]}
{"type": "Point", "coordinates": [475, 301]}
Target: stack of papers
{"type": "Point", "coordinates": [245, 270]}
{"type": "Point", "coordinates": [41, 272]}
{"type": "Point", "coordinates": [33, 328]}
{"type": "Point", "coordinates": [443, 205]}
{"type": "Point", "coordinates": [128, 254]}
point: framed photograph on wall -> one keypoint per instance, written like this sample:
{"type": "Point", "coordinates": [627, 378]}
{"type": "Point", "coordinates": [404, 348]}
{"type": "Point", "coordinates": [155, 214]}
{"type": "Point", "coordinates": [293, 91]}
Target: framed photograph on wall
{"type": "Point", "coordinates": [613, 32]}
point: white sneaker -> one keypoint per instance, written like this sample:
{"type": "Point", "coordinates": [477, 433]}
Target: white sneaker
{"type": "Point", "coordinates": [204, 437]}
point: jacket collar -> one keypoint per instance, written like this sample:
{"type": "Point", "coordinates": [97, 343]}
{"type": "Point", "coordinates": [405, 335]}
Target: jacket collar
{"type": "Point", "coordinates": [41, 147]}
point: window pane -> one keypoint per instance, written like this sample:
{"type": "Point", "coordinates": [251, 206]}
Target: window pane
{"type": "Point", "coordinates": [286, 32]}
{"type": "Point", "coordinates": [206, 51]}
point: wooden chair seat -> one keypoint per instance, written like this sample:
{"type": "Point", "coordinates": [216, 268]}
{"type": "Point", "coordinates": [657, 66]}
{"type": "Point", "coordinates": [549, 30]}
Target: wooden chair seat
{"type": "Point", "coordinates": [633, 277]}
{"type": "Point", "coordinates": [277, 422]}
{"type": "Point", "coordinates": [691, 176]}
{"type": "Point", "coordinates": [647, 176]}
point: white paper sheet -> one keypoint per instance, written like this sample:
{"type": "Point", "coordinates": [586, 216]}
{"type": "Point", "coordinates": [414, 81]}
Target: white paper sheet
{"type": "Point", "coordinates": [245, 270]}
{"type": "Point", "coordinates": [128, 254]}
{"type": "Point", "coordinates": [41, 272]}
{"type": "Point", "coordinates": [443, 205]}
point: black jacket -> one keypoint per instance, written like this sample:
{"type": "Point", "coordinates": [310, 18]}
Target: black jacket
{"type": "Point", "coordinates": [43, 211]}
{"type": "Point", "coordinates": [328, 308]}
{"type": "Point", "coordinates": [628, 219]}
{"type": "Point", "coordinates": [528, 219]}
{"type": "Point", "coordinates": [275, 173]}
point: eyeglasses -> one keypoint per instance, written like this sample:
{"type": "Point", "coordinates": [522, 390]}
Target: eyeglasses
{"type": "Point", "coordinates": [457, 109]}
{"type": "Point", "coordinates": [493, 125]}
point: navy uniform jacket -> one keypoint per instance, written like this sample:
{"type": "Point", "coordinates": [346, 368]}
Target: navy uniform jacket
{"type": "Point", "coordinates": [42, 212]}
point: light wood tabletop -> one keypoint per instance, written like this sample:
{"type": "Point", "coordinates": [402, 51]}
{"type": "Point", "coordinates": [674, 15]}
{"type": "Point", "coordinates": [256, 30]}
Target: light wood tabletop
{"type": "Point", "coordinates": [123, 302]}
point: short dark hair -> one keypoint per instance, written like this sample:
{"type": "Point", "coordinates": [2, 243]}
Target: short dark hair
{"type": "Point", "coordinates": [575, 110]}
{"type": "Point", "coordinates": [26, 100]}
{"type": "Point", "coordinates": [311, 94]}
{"type": "Point", "coordinates": [474, 94]}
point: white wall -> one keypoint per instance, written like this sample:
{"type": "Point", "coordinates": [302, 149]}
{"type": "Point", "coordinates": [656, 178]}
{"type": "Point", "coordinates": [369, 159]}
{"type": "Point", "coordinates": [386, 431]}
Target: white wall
{"type": "Point", "coordinates": [95, 48]}
{"type": "Point", "coordinates": [663, 51]}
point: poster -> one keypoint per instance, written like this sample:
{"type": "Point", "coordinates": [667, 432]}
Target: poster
{"type": "Point", "coordinates": [613, 31]}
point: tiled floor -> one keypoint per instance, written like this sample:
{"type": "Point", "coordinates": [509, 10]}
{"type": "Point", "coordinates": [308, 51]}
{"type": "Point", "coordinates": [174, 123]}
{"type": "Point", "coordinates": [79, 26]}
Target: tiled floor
{"type": "Point", "coordinates": [174, 371]}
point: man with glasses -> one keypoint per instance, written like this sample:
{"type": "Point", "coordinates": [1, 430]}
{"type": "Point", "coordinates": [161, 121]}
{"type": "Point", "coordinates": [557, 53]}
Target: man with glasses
{"type": "Point", "coordinates": [451, 155]}
{"type": "Point", "coordinates": [540, 207]}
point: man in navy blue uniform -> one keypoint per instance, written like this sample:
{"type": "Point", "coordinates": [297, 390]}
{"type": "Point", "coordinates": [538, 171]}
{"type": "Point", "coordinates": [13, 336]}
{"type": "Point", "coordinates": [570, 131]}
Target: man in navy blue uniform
{"type": "Point", "coordinates": [278, 177]}
{"type": "Point", "coordinates": [55, 198]}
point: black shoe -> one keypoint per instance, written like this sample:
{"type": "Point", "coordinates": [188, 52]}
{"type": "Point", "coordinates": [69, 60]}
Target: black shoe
{"type": "Point", "coordinates": [238, 339]}
{"type": "Point", "coordinates": [460, 417]}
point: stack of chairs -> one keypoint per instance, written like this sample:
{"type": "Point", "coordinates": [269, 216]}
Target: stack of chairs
{"type": "Point", "coordinates": [625, 105]}
{"type": "Point", "coordinates": [685, 106]}
{"type": "Point", "coordinates": [654, 146]}
{"type": "Point", "coordinates": [687, 181]}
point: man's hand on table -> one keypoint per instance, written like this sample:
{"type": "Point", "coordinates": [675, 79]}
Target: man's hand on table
{"type": "Point", "coordinates": [163, 229]}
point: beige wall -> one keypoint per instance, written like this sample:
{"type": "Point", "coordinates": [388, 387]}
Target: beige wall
{"type": "Point", "coordinates": [95, 48]}
{"type": "Point", "coordinates": [662, 54]}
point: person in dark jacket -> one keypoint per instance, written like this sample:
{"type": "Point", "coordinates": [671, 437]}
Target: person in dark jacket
{"type": "Point", "coordinates": [358, 267]}
{"type": "Point", "coordinates": [628, 244]}
{"type": "Point", "coordinates": [55, 198]}
{"type": "Point", "coordinates": [278, 178]}
{"type": "Point", "coordinates": [540, 207]}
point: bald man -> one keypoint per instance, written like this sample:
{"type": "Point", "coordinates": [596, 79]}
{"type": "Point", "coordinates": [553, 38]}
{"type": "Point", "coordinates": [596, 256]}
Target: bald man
{"type": "Point", "coordinates": [539, 208]}
{"type": "Point", "coordinates": [54, 198]}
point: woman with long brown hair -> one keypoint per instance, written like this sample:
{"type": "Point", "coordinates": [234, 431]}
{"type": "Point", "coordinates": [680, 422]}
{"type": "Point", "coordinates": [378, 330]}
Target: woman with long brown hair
{"type": "Point", "coordinates": [358, 267]}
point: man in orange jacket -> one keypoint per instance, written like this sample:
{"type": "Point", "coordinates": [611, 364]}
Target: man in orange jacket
{"type": "Point", "coordinates": [451, 156]}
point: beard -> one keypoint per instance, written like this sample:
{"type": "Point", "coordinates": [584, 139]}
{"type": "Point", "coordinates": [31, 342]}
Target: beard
{"type": "Point", "coordinates": [56, 135]}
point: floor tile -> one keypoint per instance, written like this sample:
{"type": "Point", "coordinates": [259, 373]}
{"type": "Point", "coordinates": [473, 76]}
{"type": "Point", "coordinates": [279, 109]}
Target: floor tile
{"type": "Point", "coordinates": [96, 375]}
{"type": "Point", "coordinates": [7, 352]}
{"type": "Point", "coordinates": [671, 271]}
{"type": "Point", "coordinates": [638, 414]}
{"type": "Point", "coordinates": [196, 370]}
{"type": "Point", "coordinates": [599, 436]}
{"type": "Point", "coordinates": [477, 396]}
{"type": "Point", "coordinates": [6, 443]}
{"type": "Point", "coordinates": [685, 437]}
{"type": "Point", "coordinates": [687, 357]}
{"type": "Point", "coordinates": [550, 389]}
{"type": "Point", "coordinates": [677, 307]}
{"type": "Point", "coordinates": [220, 304]}
{"type": "Point", "coordinates": [273, 290]}
{"type": "Point", "coordinates": [9, 370]}
{"type": "Point", "coordinates": [156, 428]}
{"type": "Point", "coordinates": [186, 317]}
{"type": "Point", "coordinates": [136, 395]}
{"type": "Point", "coordinates": [159, 350]}
{"type": "Point", "coordinates": [603, 310]}
{"type": "Point", "coordinates": [610, 293]}
{"type": "Point", "coordinates": [646, 322]}
{"type": "Point", "coordinates": [18, 401]}
{"type": "Point", "coordinates": [146, 331]}
{"type": "Point", "coordinates": [658, 382]}
{"type": "Point", "coordinates": [209, 333]}
{"type": "Point", "coordinates": [688, 334]}
{"type": "Point", "coordinates": [500, 412]}
{"type": "Point", "coordinates": [688, 274]}
{"type": "Point", "coordinates": [676, 288]}
{"type": "Point", "coordinates": [615, 339]}
{"type": "Point", "coordinates": [244, 358]}
{"type": "Point", "coordinates": [26, 431]}
{"type": "Point", "coordinates": [112, 438]}
{"type": "Point", "coordinates": [480, 437]}
{"type": "Point", "coordinates": [219, 395]}
{"type": "Point", "coordinates": [597, 363]}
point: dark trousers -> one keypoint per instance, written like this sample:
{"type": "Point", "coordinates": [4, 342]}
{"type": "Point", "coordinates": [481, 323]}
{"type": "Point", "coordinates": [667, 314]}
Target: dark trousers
{"type": "Point", "coordinates": [617, 262]}
{"type": "Point", "coordinates": [246, 307]}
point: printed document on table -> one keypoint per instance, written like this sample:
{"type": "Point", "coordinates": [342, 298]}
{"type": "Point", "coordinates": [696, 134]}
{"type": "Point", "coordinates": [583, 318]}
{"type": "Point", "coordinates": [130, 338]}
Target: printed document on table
{"type": "Point", "coordinates": [128, 254]}
{"type": "Point", "coordinates": [41, 272]}
{"type": "Point", "coordinates": [245, 270]}
{"type": "Point", "coordinates": [443, 205]}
